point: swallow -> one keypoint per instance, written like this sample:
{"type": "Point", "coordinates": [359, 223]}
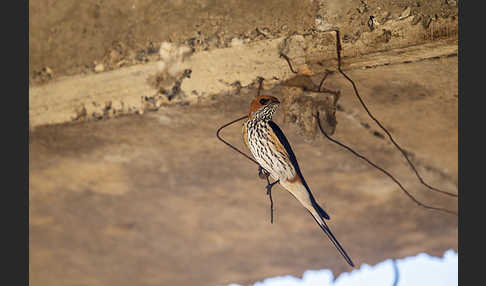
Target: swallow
{"type": "Point", "coordinates": [271, 149]}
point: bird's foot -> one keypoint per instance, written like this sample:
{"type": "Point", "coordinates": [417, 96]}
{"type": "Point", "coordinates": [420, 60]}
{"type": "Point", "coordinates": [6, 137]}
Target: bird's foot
{"type": "Point", "coordinates": [262, 173]}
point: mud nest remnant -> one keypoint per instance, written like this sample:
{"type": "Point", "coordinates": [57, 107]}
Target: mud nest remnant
{"type": "Point", "coordinates": [300, 107]}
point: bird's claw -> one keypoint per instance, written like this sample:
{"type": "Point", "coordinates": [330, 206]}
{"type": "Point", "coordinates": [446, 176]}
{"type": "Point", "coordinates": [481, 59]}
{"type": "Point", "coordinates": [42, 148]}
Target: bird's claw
{"type": "Point", "coordinates": [262, 173]}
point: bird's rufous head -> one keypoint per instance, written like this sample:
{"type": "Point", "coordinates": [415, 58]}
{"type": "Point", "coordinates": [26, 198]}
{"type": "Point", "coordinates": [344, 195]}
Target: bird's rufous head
{"type": "Point", "coordinates": [263, 107]}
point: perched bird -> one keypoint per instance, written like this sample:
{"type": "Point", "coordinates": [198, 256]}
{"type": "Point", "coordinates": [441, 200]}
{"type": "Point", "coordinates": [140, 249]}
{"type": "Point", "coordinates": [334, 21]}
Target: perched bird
{"type": "Point", "coordinates": [272, 151]}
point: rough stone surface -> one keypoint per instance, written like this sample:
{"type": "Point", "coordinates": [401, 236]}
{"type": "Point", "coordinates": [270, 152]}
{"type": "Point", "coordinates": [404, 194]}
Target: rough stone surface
{"type": "Point", "coordinates": [69, 36]}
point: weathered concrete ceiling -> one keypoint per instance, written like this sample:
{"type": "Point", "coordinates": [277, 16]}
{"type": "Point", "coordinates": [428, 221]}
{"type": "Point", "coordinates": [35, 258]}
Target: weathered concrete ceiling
{"type": "Point", "coordinates": [157, 199]}
{"type": "Point", "coordinates": [152, 197]}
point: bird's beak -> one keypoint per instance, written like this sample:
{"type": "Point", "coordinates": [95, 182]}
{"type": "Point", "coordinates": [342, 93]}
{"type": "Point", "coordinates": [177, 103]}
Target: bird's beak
{"type": "Point", "coordinates": [275, 101]}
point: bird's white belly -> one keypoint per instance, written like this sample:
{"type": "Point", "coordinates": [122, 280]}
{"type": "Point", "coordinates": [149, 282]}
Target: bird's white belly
{"type": "Point", "coordinates": [268, 157]}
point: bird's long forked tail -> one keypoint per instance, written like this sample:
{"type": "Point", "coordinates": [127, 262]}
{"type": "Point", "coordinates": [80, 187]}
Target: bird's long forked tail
{"type": "Point", "coordinates": [320, 221]}
{"type": "Point", "coordinates": [303, 194]}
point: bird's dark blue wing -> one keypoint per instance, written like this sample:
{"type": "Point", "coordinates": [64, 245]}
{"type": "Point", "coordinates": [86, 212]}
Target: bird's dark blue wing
{"type": "Point", "coordinates": [281, 137]}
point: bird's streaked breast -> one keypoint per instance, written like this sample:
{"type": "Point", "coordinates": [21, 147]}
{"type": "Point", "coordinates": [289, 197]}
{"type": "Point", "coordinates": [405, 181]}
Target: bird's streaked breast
{"type": "Point", "coordinates": [268, 151]}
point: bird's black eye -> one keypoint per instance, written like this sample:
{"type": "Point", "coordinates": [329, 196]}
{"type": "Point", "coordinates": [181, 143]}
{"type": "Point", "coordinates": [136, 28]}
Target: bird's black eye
{"type": "Point", "coordinates": [263, 101]}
